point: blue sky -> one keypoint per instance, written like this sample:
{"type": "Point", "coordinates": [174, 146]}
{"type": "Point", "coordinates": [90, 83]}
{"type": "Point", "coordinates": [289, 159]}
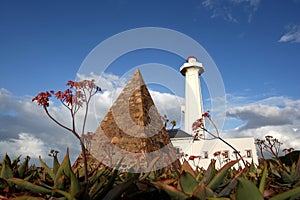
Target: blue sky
{"type": "Point", "coordinates": [254, 43]}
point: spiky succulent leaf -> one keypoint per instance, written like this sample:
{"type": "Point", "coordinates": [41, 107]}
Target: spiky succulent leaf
{"type": "Point", "coordinates": [117, 191]}
{"type": "Point", "coordinates": [64, 193]}
{"type": "Point", "coordinates": [187, 168]}
{"type": "Point", "coordinates": [3, 183]}
{"type": "Point", "coordinates": [75, 186]}
{"type": "Point", "coordinates": [29, 186]}
{"type": "Point", "coordinates": [64, 168]}
{"type": "Point", "coordinates": [171, 191]}
{"type": "Point", "coordinates": [211, 171]}
{"type": "Point", "coordinates": [203, 192]}
{"type": "Point", "coordinates": [246, 190]}
{"type": "Point", "coordinates": [47, 168]}
{"type": "Point", "coordinates": [187, 182]}
{"type": "Point", "coordinates": [55, 164]}
{"type": "Point", "coordinates": [26, 197]}
{"type": "Point", "coordinates": [219, 177]}
{"type": "Point", "coordinates": [150, 167]}
{"type": "Point", "coordinates": [6, 170]}
{"type": "Point", "coordinates": [23, 167]}
{"type": "Point", "coordinates": [263, 178]}
{"type": "Point", "coordinates": [290, 194]}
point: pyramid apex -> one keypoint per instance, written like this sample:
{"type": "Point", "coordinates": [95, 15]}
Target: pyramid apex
{"type": "Point", "coordinates": [137, 78]}
{"type": "Point", "coordinates": [137, 70]}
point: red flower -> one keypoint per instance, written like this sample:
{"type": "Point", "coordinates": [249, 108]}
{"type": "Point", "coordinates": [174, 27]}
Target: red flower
{"type": "Point", "coordinates": [206, 114]}
{"type": "Point", "coordinates": [217, 153]}
{"type": "Point", "coordinates": [70, 83]}
{"type": "Point", "coordinates": [43, 98]}
{"type": "Point", "coordinates": [224, 154]}
{"type": "Point", "coordinates": [194, 157]}
{"type": "Point", "coordinates": [198, 124]}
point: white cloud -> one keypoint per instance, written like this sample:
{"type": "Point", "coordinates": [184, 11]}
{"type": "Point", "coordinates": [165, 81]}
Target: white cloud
{"type": "Point", "coordinates": [107, 82]}
{"type": "Point", "coordinates": [257, 115]}
{"type": "Point", "coordinates": [227, 9]}
{"type": "Point", "coordinates": [293, 34]}
{"type": "Point", "coordinates": [276, 116]}
{"type": "Point", "coordinates": [168, 104]}
{"type": "Point", "coordinates": [26, 144]}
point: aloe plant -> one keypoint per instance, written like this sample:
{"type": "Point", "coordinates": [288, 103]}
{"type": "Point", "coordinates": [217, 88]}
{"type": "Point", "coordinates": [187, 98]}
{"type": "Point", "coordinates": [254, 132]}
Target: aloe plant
{"type": "Point", "coordinates": [268, 180]}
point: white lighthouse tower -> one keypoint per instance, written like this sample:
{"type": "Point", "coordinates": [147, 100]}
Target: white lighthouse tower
{"type": "Point", "coordinates": [193, 110]}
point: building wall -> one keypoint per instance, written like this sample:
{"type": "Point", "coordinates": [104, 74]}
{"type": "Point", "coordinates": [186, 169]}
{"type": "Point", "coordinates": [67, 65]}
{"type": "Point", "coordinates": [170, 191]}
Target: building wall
{"type": "Point", "coordinates": [207, 148]}
{"type": "Point", "coordinates": [182, 145]}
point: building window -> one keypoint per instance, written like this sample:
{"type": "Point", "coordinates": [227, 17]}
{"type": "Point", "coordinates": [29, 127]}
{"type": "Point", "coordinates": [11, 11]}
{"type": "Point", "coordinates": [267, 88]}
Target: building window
{"type": "Point", "coordinates": [205, 154]}
{"type": "Point", "coordinates": [235, 154]}
{"type": "Point", "coordinates": [249, 153]}
{"type": "Point", "coordinates": [225, 154]}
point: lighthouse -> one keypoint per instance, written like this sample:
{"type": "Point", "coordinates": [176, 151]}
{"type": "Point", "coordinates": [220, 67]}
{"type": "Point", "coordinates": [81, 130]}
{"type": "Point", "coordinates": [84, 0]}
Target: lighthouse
{"type": "Point", "coordinates": [192, 69]}
{"type": "Point", "coordinates": [185, 142]}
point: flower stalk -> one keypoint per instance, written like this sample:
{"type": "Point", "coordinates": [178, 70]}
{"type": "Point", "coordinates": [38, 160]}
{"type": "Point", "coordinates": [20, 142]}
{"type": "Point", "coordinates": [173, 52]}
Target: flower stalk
{"type": "Point", "coordinates": [199, 125]}
{"type": "Point", "coordinates": [73, 98]}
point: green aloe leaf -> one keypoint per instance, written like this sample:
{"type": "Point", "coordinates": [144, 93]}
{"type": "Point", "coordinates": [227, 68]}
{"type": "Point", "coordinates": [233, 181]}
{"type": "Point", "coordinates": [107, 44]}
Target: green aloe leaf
{"type": "Point", "coordinates": [118, 190]}
{"type": "Point", "coordinates": [171, 191]}
{"type": "Point", "coordinates": [22, 168]}
{"type": "Point", "coordinates": [285, 177]}
{"type": "Point", "coordinates": [15, 162]}
{"type": "Point", "coordinates": [3, 183]}
{"type": "Point", "coordinates": [187, 168]}
{"type": "Point", "coordinates": [102, 189]}
{"type": "Point", "coordinates": [231, 185]}
{"type": "Point", "coordinates": [55, 164]}
{"type": "Point", "coordinates": [29, 186]}
{"type": "Point", "coordinates": [48, 170]}
{"type": "Point", "coordinates": [96, 176]}
{"type": "Point", "coordinates": [110, 183]}
{"type": "Point", "coordinates": [219, 177]}
{"type": "Point", "coordinates": [6, 170]}
{"type": "Point", "coordinates": [203, 192]}
{"type": "Point", "coordinates": [95, 189]}
{"type": "Point", "coordinates": [75, 186]}
{"type": "Point", "coordinates": [188, 183]}
{"type": "Point", "coordinates": [290, 194]}
{"type": "Point", "coordinates": [61, 183]}
{"type": "Point", "coordinates": [263, 178]}
{"type": "Point", "coordinates": [211, 171]}
{"type": "Point", "coordinates": [64, 168]}
{"type": "Point", "coordinates": [274, 170]}
{"type": "Point", "coordinates": [26, 197]}
{"type": "Point", "coordinates": [150, 167]}
{"type": "Point", "coordinates": [246, 190]}
{"type": "Point", "coordinates": [64, 193]}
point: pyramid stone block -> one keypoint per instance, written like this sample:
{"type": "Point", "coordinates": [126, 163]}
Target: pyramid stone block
{"type": "Point", "coordinates": [132, 133]}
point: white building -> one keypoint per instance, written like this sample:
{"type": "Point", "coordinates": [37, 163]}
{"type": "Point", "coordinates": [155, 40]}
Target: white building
{"type": "Point", "coordinates": [205, 149]}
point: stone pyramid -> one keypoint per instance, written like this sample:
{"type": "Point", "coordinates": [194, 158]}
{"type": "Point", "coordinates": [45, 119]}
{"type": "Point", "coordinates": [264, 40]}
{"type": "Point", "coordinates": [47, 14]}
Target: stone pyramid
{"type": "Point", "coordinates": [132, 134]}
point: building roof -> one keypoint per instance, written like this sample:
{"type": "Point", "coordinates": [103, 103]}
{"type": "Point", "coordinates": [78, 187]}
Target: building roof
{"type": "Point", "coordinates": [178, 133]}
